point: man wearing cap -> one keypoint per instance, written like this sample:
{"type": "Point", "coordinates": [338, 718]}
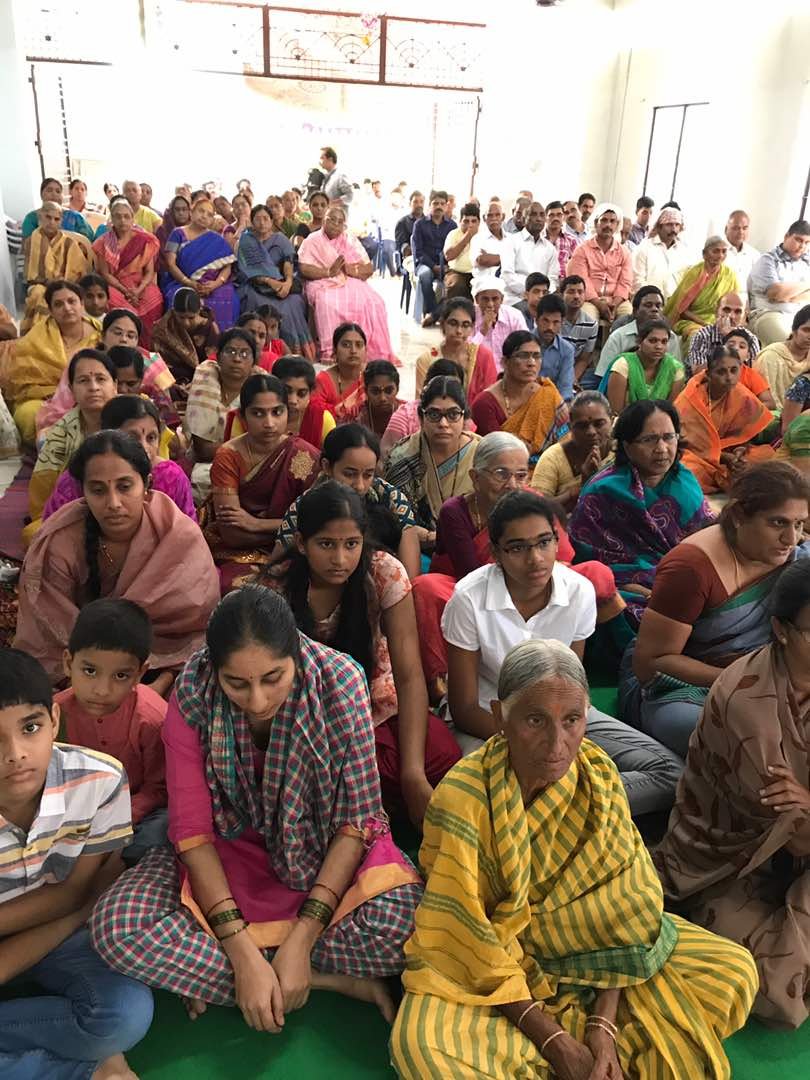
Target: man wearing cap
{"type": "Point", "coordinates": [494, 320]}
{"type": "Point", "coordinates": [606, 267]}
{"type": "Point", "coordinates": [663, 256]}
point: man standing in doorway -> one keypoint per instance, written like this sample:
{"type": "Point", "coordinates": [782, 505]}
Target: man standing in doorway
{"type": "Point", "coordinates": [336, 186]}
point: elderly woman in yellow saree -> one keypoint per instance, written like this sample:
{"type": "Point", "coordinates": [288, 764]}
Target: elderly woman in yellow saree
{"type": "Point", "coordinates": [41, 355]}
{"type": "Point", "coordinates": [719, 418]}
{"type": "Point", "coordinates": [520, 402]}
{"type": "Point", "coordinates": [541, 945]}
{"type": "Point", "coordinates": [52, 254]}
{"type": "Point", "coordinates": [693, 305]}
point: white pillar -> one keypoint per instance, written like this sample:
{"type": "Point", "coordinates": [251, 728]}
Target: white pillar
{"type": "Point", "coordinates": [19, 164]}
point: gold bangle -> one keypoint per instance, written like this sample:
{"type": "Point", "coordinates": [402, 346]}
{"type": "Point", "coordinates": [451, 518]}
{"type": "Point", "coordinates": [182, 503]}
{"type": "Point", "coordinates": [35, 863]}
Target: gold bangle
{"type": "Point", "coordinates": [525, 1013]}
{"type": "Point", "coordinates": [230, 915]}
{"type": "Point", "coordinates": [599, 1024]}
{"type": "Point", "coordinates": [555, 1035]}
{"type": "Point", "coordinates": [604, 1019]}
{"type": "Point", "coordinates": [233, 933]}
{"type": "Point", "coordinates": [321, 885]}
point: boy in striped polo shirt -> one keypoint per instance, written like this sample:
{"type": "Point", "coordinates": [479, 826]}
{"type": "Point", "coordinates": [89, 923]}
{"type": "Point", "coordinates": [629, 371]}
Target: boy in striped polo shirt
{"type": "Point", "coordinates": [64, 817]}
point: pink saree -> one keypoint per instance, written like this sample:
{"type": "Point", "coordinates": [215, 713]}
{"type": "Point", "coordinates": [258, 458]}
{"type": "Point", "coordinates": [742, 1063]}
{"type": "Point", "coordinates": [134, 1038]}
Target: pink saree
{"type": "Point", "coordinates": [344, 299]}
{"type": "Point", "coordinates": [168, 571]}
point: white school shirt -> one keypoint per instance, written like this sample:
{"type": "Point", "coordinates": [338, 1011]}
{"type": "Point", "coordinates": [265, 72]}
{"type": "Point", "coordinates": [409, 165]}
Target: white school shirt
{"type": "Point", "coordinates": [656, 264]}
{"type": "Point", "coordinates": [481, 616]}
{"type": "Point", "coordinates": [527, 256]}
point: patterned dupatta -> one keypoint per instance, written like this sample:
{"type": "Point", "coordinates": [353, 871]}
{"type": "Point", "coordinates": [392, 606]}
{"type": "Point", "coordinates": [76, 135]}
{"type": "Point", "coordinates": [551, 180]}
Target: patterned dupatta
{"type": "Point", "coordinates": [319, 774]}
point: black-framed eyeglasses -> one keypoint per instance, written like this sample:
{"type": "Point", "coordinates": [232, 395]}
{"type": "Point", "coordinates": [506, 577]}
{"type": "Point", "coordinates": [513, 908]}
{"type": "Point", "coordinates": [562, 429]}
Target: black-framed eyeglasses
{"type": "Point", "coordinates": [435, 416]}
{"type": "Point", "coordinates": [522, 548]}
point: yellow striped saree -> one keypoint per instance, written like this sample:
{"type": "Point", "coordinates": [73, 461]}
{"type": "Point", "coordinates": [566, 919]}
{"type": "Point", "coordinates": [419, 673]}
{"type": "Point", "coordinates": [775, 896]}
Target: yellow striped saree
{"type": "Point", "coordinates": [555, 901]}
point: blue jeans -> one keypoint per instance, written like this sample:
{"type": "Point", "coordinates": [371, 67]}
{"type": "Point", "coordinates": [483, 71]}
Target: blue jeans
{"type": "Point", "coordinates": [89, 1013]}
{"type": "Point", "coordinates": [151, 831]}
{"type": "Point", "coordinates": [424, 274]}
{"type": "Point", "coordinates": [385, 257]}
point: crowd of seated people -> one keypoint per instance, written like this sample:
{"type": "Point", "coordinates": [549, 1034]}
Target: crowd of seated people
{"type": "Point", "coordinates": [273, 605]}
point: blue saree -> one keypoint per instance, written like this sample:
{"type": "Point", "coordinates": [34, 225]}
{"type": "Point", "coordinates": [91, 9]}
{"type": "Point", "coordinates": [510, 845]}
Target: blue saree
{"type": "Point", "coordinates": [267, 258]}
{"type": "Point", "coordinates": [202, 259]}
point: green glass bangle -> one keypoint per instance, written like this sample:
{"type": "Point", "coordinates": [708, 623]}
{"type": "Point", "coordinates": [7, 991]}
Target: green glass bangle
{"type": "Point", "coordinates": [222, 917]}
{"type": "Point", "coordinates": [318, 910]}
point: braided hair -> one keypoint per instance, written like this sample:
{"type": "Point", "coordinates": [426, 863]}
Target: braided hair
{"type": "Point", "coordinates": [327, 502]}
{"type": "Point", "coordinates": [129, 450]}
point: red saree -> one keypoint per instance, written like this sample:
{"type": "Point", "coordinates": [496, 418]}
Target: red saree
{"type": "Point", "coordinates": [128, 265]}
{"type": "Point", "coordinates": [344, 406]}
{"type": "Point", "coordinates": [265, 490]}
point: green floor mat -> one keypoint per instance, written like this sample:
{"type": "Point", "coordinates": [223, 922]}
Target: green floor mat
{"type": "Point", "coordinates": [756, 1053]}
{"type": "Point", "coordinates": [333, 1038]}
{"type": "Point", "coordinates": [337, 1039]}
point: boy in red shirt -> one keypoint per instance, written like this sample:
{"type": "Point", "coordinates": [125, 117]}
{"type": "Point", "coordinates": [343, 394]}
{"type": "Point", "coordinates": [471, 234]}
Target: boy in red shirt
{"type": "Point", "coordinates": [108, 708]}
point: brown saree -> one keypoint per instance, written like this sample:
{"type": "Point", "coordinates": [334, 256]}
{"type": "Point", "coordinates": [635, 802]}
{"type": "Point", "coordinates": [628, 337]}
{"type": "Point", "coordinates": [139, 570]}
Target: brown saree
{"type": "Point", "coordinates": [724, 854]}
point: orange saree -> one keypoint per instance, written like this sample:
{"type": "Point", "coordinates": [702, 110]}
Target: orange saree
{"type": "Point", "coordinates": [711, 428]}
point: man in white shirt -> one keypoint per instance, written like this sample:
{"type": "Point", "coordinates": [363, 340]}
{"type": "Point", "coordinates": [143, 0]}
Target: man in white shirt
{"type": "Point", "coordinates": [529, 253]}
{"type": "Point", "coordinates": [489, 244]}
{"type": "Point", "coordinates": [661, 259]}
{"type": "Point", "coordinates": [741, 256]}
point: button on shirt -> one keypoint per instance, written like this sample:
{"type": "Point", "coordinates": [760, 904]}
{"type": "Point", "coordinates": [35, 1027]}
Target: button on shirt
{"type": "Point", "coordinates": [558, 365]}
{"type": "Point", "coordinates": [486, 243]}
{"type": "Point", "coordinates": [656, 264]}
{"type": "Point", "coordinates": [742, 263]}
{"type": "Point", "coordinates": [606, 273]}
{"type": "Point", "coordinates": [427, 241]}
{"type": "Point", "coordinates": [525, 256]}
{"type": "Point", "coordinates": [581, 334]}
{"type": "Point", "coordinates": [776, 267]}
{"type": "Point", "coordinates": [481, 617]}
{"type": "Point", "coordinates": [462, 264]}
{"type": "Point", "coordinates": [508, 320]}
{"type": "Point", "coordinates": [83, 810]}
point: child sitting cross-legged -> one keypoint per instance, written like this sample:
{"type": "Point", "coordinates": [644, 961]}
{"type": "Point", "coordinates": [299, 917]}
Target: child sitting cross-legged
{"type": "Point", "coordinates": [108, 708]}
{"type": "Point", "coordinates": [64, 816]}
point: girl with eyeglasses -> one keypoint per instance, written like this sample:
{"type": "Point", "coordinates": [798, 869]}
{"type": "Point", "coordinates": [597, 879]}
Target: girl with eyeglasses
{"type": "Point", "coordinates": [457, 324]}
{"type": "Point", "coordinates": [500, 465]}
{"type": "Point", "coordinates": [357, 599]}
{"type": "Point", "coordinates": [214, 391]}
{"type": "Point", "coordinates": [434, 464]}
{"type": "Point", "coordinates": [629, 515]}
{"type": "Point", "coordinates": [521, 401]}
{"type": "Point", "coordinates": [526, 592]}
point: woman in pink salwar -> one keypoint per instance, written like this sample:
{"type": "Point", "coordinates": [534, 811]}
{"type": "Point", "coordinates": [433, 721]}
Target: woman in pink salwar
{"type": "Point", "coordinates": [336, 270]}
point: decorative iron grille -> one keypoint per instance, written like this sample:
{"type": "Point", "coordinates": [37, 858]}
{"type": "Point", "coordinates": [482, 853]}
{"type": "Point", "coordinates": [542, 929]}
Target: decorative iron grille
{"type": "Point", "coordinates": [261, 40]}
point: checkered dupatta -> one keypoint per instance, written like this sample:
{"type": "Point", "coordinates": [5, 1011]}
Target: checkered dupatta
{"type": "Point", "coordinates": [320, 771]}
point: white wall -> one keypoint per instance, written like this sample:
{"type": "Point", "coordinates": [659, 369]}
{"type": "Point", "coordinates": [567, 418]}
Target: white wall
{"type": "Point", "coordinates": [19, 169]}
{"type": "Point", "coordinates": [548, 98]}
{"type": "Point", "coordinates": [753, 66]}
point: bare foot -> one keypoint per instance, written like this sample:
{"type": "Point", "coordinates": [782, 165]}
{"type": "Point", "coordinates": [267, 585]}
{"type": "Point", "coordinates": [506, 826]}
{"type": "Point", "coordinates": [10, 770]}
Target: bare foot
{"type": "Point", "coordinates": [114, 1068]}
{"type": "Point", "coordinates": [195, 1007]}
{"type": "Point", "coordinates": [372, 990]}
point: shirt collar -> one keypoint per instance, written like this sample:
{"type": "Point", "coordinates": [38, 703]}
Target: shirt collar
{"type": "Point", "coordinates": [498, 598]}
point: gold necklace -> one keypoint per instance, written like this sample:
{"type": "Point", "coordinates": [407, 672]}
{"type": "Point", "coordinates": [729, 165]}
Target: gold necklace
{"type": "Point", "coordinates": [455, 470]}
{"type": "Point", "coordinates": [475, 513]}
